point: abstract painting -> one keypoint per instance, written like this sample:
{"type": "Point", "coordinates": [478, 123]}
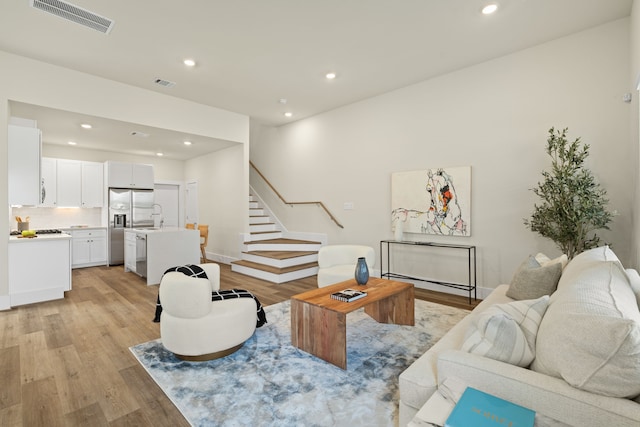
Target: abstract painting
{"type": "Point", "coordinates": [432, 201]}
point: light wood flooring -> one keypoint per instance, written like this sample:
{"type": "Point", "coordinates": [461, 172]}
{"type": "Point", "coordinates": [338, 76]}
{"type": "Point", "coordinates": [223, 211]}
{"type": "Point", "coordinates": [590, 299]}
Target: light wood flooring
{"type": "Point", "coordinates": [67, 362]}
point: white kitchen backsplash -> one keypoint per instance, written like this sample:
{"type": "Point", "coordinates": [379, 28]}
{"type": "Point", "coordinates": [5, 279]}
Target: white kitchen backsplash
{"type": "Point", "coordinates": [43, 218]}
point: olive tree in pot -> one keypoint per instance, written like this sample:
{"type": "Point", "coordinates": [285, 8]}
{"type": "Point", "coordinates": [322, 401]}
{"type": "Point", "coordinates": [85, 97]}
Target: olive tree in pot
{"type": "Point", "coordinates": [572, 204]}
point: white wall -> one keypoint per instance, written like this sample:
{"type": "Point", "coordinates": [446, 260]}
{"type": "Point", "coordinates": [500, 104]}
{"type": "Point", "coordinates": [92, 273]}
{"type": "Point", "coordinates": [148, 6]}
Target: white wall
{"type": "Point", "coordinates": [493, 117]}
{"type": "Point", "coordinates": [38, 83]}
{"type": "Point", "coordinates": [222, 186]}
{"type": "Point", "coordinates": [634, 127]}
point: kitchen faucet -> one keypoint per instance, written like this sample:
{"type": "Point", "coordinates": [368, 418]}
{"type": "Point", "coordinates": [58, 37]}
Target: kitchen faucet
{"type": "Point", "coordinates": [155, 214]}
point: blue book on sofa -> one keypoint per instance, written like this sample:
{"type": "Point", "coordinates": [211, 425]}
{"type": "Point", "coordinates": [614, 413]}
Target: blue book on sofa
{"type": "Point", "coordinates": [478, 409]}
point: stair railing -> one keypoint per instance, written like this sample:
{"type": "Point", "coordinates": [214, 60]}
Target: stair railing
{"type": "Point", "coordinates": [295, 203]}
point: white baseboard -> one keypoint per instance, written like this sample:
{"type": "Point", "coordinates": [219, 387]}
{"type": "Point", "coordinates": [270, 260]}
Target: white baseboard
{"type": "Point", "coordinates": [5, 302]}
{"type": "Point", "coordinates": [222, 259]}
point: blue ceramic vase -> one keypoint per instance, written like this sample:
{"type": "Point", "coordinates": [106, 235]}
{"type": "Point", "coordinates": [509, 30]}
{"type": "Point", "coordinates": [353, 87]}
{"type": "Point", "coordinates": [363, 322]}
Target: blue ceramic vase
{"type": "Point", "coordinates": [362, 271]}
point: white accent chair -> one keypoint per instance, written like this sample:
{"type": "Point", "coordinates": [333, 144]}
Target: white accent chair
{"type": "Point", "coordinates": [195, 328]}
{"type": "Point", "coordinates": [337, 263]}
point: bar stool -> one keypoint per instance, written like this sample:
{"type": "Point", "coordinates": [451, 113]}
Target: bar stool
{"type": "Point", "coordinates": [204, 238]}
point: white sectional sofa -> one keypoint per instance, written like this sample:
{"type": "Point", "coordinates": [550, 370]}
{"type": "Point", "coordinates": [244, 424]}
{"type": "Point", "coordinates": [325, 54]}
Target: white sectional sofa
{"type": "Point", "coordinates": [586, 349]}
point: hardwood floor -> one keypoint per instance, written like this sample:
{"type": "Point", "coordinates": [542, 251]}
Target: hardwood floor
{"type": "Point", "coordinates": [67, 362]}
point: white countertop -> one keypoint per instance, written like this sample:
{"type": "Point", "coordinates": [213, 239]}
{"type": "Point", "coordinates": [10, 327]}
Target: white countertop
{"type": "Point", "coordinates": [83, 227]}
{"type": "Point", "coordinates": [39, 238]}
{"type": "Point", "coordinates": [156, 230]}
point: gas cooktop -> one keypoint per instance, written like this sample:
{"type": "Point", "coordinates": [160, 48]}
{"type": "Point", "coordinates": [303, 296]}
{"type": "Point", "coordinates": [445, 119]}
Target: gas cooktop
{"type": "Point", "coordinates": [44, 231]}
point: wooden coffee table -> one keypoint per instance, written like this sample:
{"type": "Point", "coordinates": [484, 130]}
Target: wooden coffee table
{"type": "Point", "coordinates": [319, 323]}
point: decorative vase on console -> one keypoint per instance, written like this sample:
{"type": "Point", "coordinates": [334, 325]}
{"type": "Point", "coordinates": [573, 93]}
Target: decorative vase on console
{"type": "Point", "coordinates": [398, 230]}
{"type": "Point", "coordinates": [362, 271]}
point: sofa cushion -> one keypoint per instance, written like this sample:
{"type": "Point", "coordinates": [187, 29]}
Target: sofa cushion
{"type": "Point", "coordinates": [545, 260]}
{"type": "Point", "coordinates": [590, 257]}
{"type": "Point", "coordinates": [418, 382]}
{"type": "Point", "coordinates": [590, 334]}
{"type": "Point", "coordinates": [532, 280]}
{"type": "Point", "coordinates": [634, 281]}
{"type": "Point", "coordinates": [507, 332]}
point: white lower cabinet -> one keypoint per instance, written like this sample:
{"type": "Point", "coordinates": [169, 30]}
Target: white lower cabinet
{"type": "Point", "coordinates": [39, 269]}
{"type": "Point", "coordinates": [88, 247]}
{"type": "Point", "coordinates": [130, 251]}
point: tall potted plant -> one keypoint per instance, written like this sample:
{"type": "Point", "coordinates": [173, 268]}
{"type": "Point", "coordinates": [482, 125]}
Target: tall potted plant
{"type": "Point", "coordinates": [572, 204]}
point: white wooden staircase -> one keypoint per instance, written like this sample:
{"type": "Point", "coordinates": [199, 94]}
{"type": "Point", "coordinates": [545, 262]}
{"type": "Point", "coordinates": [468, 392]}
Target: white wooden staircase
{"type": "Point", "coordinates": [270, 256]}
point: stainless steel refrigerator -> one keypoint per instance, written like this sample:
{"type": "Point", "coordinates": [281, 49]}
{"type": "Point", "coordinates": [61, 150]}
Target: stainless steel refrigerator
{"type": "Point", "coordinates": [127, 209]}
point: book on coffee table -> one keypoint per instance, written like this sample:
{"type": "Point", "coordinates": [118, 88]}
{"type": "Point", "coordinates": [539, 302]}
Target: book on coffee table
{"type": "Point", "coordinates": [480, 409]}
{"type": "Point", "coordinates": [348, 295]}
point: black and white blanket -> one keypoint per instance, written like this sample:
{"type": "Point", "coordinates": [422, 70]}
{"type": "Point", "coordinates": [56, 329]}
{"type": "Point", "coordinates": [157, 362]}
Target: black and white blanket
{"type": "Point", "coordinates": [196, 271]}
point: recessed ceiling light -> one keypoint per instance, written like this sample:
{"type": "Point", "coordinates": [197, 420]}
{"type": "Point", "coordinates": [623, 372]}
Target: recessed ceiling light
{"type": "Point", "coordinates": [489, 9]}
{"type": "Point", "coordinates": [159, 154]}
{"type": "Point", "coordinates": [187, 142]}
{"type": "Point", "coordinates": [189, 62]}
{"type": "Point", "coordinates": [85, 126]}
{"type": "Point", "coordinates": [288, 114]}
{"type": "Point", "coordinates": [282, 101]}
{"type": "Point", "coordinates": [72, 143]}
{"type": "Point", "coordinates": [331, 76]}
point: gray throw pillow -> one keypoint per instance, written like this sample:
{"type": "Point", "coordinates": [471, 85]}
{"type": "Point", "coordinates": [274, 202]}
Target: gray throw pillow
{"type": "Point", "coordinates": [532, 281]}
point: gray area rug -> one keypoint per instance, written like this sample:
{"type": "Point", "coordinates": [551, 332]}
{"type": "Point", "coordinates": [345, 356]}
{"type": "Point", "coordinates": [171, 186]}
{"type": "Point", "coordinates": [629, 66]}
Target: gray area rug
{"type": "Point", "coordinates": [268, 382]}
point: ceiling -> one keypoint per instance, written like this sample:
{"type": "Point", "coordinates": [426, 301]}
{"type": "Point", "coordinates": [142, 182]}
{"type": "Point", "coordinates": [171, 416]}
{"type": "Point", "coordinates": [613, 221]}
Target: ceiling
{"type": "Point", "coordinates": [60, 127]}
{"type": "Point", "coordinates": [250, 54]}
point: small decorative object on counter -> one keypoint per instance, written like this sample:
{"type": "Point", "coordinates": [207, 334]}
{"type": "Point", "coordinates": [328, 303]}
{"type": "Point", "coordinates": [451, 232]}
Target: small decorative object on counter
{"type": "Point", "coordinates": [23, 225]}
{"type": "Point", "coordinates": [362, 271]}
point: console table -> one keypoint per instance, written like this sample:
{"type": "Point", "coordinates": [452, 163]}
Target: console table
{"type": "Point", "coordinates": [470, 287]}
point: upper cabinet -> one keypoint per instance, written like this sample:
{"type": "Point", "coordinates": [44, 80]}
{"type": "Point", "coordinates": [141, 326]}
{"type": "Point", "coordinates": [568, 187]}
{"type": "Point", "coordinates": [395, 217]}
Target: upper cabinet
{"type": "Point", "coordinates": [24, 150]}
{"type": "Point", "coordinates": [48, 198]}
{"type": "Point", "coordinates": [92, 184]}
{"type": "Point", "coordinates": [69, 183]}
{"type": "Point", "coordinates": [78, 184]}
{"type": "Point", "coordinates": [129, 175]}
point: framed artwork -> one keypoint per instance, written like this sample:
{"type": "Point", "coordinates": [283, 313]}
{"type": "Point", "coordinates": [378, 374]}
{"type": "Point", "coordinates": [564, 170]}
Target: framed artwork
{"type": "Point", "coordinates": [432, 201]}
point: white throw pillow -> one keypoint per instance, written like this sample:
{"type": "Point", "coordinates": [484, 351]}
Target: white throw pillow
{"type": "Point", "coordinates": [590, 334]}
{"type": "Point", "coordinates": [544, 260]}
{"type": "Point", "coordinates": [507, 332]}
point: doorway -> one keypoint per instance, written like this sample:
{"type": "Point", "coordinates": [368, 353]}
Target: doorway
{"type": "Point", "coordinates": [192, 202]}
{"type": "Point", "coordinates": [168, 197]}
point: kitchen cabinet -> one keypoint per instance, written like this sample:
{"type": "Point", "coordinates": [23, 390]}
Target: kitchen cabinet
{"type": "Point", "coordinates": [23, 152]}
{"type": "Point", "coordinates": [130, 238]}
{"type": "Point", "coordinates": [92, 184]}
{"type": "Point", "coordinates": [49, 197]}
{"type": "Point", "coordinates": [69, 183]}
{"type": "Point", "coordinates": [39, 268]}
{"type": "Point", "coordinates": [129, 175]}
{"type": "Point", "coordinates": [88, 247]}
{"type": "Point", "coordinates": [79, 184]}
{"type": "Point", "coordinates": [161, 249]}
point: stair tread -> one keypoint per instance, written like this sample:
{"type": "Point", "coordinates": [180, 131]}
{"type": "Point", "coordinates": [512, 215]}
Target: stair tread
{"type": "Point", "coordinates": [281, 254]}
{"type": "Point", "coordinates": [274, 270]}
{"type": "Point", "coordinates": [282, 241]}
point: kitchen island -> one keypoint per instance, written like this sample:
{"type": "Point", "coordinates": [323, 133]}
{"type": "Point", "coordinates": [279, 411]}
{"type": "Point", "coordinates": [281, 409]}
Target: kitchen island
{"type": "Point", "coordinates": [149, 252]}
{"type": "Point", "coordinates": [39, 268]}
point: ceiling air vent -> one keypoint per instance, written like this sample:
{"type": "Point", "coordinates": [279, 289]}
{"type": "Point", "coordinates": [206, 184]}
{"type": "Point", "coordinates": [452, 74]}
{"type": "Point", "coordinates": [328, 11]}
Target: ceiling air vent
{"type": "Point", "coordinates": [75, 14]}
{"type": "Point", "coordinates": [165, 83]}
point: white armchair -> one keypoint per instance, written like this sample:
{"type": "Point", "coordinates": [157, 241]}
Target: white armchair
{"type": "Point", "coordinates": [337, 263]}
{"type": "Point", "coordinates": [195, 328]}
